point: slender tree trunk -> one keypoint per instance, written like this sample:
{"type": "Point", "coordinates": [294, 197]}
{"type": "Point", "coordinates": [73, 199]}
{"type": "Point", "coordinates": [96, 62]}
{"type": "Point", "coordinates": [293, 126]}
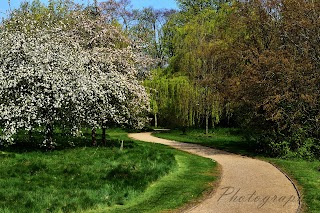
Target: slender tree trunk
{"type": "Point", "coordinates": [155, 120]}
{"type": "Point", "coordinates": [207, 124]}
{"type": "Point", "coordinates": [184, 130]}
{"type": "Point", "coordinates": [93, 137]}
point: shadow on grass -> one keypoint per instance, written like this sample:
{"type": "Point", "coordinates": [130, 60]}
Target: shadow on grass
{"type": "Point", "coordinates": [230, 140]}
{"type": "Point", "coordinates": [78, 179]}
{"type": "Point", "coordinates": [26, 143]}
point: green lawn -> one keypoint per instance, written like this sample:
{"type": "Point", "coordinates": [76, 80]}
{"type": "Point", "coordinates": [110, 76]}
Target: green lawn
{"type": "Point", "coordinates": [307, 174]}
{"type": "Point", "coordinates": [79, 178]}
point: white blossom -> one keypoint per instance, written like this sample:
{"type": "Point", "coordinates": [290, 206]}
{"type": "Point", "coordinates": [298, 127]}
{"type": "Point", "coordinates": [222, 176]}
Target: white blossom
{"type": "Point", "coordinates": [83, 73]}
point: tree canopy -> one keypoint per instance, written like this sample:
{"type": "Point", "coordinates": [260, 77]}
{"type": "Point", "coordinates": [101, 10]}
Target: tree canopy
{"type": "Point", "coordinates": [73, 69]}
{"type": "Point", "coordinates": [258, 61]}
{"type": "Point", "coordinates": [249, 64]}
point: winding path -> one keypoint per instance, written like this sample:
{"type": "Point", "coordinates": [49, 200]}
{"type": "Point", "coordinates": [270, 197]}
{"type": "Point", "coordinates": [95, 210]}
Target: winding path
{"type": "Point", "coordinates": [247, 185]}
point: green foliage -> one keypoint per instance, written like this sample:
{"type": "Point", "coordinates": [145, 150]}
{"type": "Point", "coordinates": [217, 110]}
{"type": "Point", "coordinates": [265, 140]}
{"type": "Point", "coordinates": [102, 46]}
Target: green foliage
{"type": "Point", "coordinates": [40, 15]}
{"type": "Point", "coordinates": [279, 149]}
{"type": "Point", "coordinates": [279, 86]}
{"type": "Point", "coordinates": [308, 150]}
{"type": "Point", "coordinates": [198, 43]}
{"type": "Point", "coordinates": [258, 65]}
{"type": "Point", "coordinates": [171, 98]}
{"type": "Point", "coordinates": [194, 7]}
{"type": "Point", "coordinates": [178, 102]}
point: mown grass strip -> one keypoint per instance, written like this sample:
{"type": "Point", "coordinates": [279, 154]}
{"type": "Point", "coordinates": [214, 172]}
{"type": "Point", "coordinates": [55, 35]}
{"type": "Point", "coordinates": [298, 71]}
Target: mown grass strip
{"type": "Point", "coordinates": [192, 178]}
{"type": "Point", "coordinates": [307, 175]}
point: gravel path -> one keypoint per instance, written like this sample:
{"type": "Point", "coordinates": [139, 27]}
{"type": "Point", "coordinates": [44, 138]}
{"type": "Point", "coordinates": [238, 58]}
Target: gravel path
{"type": "Point", "coordinates": [247, 185]}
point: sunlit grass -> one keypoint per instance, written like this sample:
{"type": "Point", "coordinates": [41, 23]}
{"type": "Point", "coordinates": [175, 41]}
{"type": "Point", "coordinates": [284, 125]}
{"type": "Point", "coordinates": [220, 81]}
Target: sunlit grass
{"type": "Point", "coordinates": [79, 178]}
{"type": "Point", "coordinates": [307, 174]}
{"type": "Point", "coordinates": [142, 177]}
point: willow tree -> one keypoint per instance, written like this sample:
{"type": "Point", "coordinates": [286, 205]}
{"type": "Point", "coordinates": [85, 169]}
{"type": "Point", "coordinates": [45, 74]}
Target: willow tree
{"type": "Point", "coordinates": [172, 98]}
{"type": "Point", "coordinates": [199, 52]}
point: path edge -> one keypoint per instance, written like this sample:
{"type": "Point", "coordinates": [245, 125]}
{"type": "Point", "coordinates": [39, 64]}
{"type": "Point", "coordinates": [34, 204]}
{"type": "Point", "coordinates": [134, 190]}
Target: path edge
{"type": "Point", "coordinates": [299, 210]}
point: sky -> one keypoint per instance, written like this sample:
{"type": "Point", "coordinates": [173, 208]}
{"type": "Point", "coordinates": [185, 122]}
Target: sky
{"type": "Point", "coordinates": [158, 4]}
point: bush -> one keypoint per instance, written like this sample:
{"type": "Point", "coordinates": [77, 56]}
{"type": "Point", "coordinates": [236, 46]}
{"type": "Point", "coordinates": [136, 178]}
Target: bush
{"type": "Point", "coordinates": [308, 149]}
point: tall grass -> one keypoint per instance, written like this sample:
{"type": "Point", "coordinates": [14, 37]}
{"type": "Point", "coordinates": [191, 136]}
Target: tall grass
{"type": "Point", "coordinates": [74, 179]}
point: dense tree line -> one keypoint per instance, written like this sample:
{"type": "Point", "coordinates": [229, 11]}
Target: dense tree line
{"type": "Point", "coordinates": [250, 64]}
{"type": "Point", "coordinates": [258, 61]}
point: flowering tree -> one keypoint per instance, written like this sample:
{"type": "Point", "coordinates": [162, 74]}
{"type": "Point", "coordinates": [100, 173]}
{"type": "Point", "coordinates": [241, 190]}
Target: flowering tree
{"type": "Point", "coordinates": [74, 72]}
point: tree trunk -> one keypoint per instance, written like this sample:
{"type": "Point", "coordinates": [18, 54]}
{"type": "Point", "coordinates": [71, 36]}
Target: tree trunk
{"type": "Point", "coordinates": [184, 130]}
{"type": "Point", "coordinates": [93, 137]}
{"type": "Point", "coordinates": [155, 120]}
{"type": "Point", "coordinates": [207, 124]}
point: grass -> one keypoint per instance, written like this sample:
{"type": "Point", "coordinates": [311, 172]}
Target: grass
{"type": "Point", "coordinates": [305, 173]}
{"type": "Point", "coordinates": [79, 178]}
{"type": "Point", "coordinates": [193, 177]}
{"type": "Point", "coordinates": [221, 138]}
